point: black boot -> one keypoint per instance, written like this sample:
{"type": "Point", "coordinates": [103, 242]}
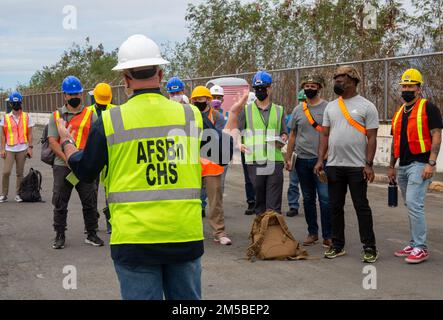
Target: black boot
{"type": "Point", "coordinates": [292, 212]}
{"type": "Point", "coordinates": [251, 209]}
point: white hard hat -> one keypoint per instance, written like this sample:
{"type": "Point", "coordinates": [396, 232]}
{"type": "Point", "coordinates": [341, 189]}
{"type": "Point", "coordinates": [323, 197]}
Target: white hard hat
{"type": "Point", "coordinates": [139, 51]}
{"type": "Point", "coordinates": [217, 91]}
{"type": "Point", "coordinates": [251, 97]}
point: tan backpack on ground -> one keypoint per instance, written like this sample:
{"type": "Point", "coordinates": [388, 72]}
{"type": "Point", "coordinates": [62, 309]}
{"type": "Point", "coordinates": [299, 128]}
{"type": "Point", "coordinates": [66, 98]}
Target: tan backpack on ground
{"type": "Point", "coordinates": [271, 239]}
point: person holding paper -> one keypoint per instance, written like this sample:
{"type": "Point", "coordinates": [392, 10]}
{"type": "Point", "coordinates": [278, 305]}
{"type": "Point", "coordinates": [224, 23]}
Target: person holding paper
{"type": "Point", "coordinates": [306, 127]}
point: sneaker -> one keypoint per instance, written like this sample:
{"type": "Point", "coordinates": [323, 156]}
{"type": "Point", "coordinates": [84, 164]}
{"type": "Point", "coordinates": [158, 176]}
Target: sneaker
{"type": "Point", "coordinates": [94, 240]}
{"type": "Point", "coordinates": [310, 240]}
{"type": "Point", "coordinates": [327, 243]}
{"type": "Point", "coordinates": [18, 199]}
{"type": "Point", "coordinates": [292, 212]}
{"type": "Point", "coordinates": [404, 252]}
{"type": "Point", "coordinates": [369, 255]}
{"type": "Point", "coordinates": [59, 241]}
{"type": "Point", "coordinates": [3, 199]}
{"type": "Point", "coordinates": [333, 253]}
{"type": "Point", "coordinates": [224, 241]}
{"type": "Point", "coordinates": [250, 211]}
{"type": "Point", "coordinates": [417, 256]}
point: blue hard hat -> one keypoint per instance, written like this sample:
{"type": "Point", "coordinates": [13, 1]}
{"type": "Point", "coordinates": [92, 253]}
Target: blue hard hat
{"type": "Point", "coordinates": [262, 79]}
{"type": "Point", "coordinates": [15, 97]}
{"type": "Point", "coordinates": [72, 85]}
{"type": "Point", "coordinates": [175, 85]}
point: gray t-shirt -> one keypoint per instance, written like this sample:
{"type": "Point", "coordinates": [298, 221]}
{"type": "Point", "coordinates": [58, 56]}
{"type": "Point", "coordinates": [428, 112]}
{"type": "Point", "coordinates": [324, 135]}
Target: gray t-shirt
{"type": "Point", "coordinates": [53, 132]}
{"type": "Point", "coordinates": [307, 138]}
{"type": "Point", "coordinates": [265, 114]}
{"type": "Point", "coordinates": [347, 146]}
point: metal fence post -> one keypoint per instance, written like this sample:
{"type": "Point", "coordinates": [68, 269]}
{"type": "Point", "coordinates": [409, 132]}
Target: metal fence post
{"type": "Point", "coordinates": [386, 89]}
{"type": "Point", "coordinates": [297, 85]}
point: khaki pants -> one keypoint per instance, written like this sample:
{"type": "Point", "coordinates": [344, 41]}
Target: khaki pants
{"type": "Point", "coordinates": [215, 200]}
{"type": "Point", "coordinates": [19, 158]}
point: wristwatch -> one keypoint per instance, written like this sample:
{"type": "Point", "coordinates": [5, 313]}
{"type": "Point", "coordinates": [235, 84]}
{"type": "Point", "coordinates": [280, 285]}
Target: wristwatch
{"type": "Point", "coordinates": [370, 163]}
{"type": "Point", "coordinates": [432, 163]}
{"type": "Point", "coordinates": [66, 142]}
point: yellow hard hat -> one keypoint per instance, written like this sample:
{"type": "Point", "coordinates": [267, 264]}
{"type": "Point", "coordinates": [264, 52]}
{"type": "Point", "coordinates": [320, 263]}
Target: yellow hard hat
{"type": "Point", "coordinates": [103, 93]}
{"type": "Point", "coordinates": [201, 91]}
{"type": "Point", "coordinates": [411, 76]}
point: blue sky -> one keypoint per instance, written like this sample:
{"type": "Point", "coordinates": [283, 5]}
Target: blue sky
{"type": "Point", "coordinates": [32, 33]}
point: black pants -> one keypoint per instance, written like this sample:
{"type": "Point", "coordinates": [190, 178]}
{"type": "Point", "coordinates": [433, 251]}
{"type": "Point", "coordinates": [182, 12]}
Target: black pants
{"type": "Point", "coordinates": [61, 195]}
{"type": "Point", "coordinates": [249, 188]}
{"type": "Point", "coordinates": [268, 187]}
{"type": "Point", "coordinates": [339, 180]}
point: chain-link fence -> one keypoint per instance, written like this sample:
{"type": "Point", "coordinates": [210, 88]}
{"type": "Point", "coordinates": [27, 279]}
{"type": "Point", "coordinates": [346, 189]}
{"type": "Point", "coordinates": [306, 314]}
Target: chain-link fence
{"type": "Point", "coordinates": [379, 84]}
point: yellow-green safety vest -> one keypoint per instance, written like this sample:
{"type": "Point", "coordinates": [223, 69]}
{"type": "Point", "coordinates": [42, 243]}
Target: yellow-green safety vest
{"type": "Point", "coordinates": [257, 132]}
{"type": "Point", "coordinates": [154, 175]}
{"type": "Point", "coordinates": [93, 108]}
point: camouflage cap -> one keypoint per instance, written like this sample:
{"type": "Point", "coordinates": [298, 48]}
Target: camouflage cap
{"type": "Point", "coordinates": [313, 79]}
{"type": "Point", "coordinates": [349, 71]}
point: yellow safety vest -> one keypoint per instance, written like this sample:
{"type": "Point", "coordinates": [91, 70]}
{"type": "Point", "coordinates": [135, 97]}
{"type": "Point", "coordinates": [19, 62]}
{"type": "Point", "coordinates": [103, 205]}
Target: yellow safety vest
{"type": "Point", "coordinates": [257, 132]}
{"type": "Point", "coordinates": [154, 175]}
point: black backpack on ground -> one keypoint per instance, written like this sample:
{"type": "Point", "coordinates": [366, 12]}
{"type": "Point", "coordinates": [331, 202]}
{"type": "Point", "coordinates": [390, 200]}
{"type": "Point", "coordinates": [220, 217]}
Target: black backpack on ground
{"type": "Point", "coordinates": [31, 186]}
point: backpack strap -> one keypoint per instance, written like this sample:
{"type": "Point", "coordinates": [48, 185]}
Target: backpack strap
{"type": "Point", "coordinates": [259, 227]}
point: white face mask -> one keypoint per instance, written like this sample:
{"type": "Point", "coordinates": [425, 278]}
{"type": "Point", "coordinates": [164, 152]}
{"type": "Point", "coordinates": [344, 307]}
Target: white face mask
{"type": "Point", "coordinates": [177, 98]}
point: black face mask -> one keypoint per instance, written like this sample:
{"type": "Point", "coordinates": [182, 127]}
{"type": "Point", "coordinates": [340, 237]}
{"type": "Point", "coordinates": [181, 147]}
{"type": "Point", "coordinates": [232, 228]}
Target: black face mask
{"type": "Point", "coordinates": [310, 93]}
{"type": "Point", "coordinates": [74, 102]}
{"type": "Point", "coordinates": [408, 96]}
{"type": "Point", "coordinates": [101, 106]}
{"type": "Point", "coordinates": [16, 106]}
{"type": "Point", "coordinates": [261, 94]}
{"type": "Point", "coordinates": [201, 105]}
{"type": "Point", "coordinates": [339, 89]}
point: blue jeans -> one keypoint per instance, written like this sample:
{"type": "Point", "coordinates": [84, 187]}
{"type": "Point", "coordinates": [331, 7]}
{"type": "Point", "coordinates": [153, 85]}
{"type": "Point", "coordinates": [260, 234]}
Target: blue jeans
{"type": "Point", "coordinates": [293, 191]}
{"type": "Point", "coordinates": [310, 187]}
{"type": "Point", "coordinates": [413, 189]}
{"type": "Point", "coordinates": [177, 281]}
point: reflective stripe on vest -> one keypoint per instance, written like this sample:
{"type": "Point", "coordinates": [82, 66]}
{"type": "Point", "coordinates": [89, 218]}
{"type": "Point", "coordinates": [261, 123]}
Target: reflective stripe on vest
{"type": "Point", "coordinates": [153, 183]}
{"type": "Point", "coordinates": [348, 117]}
{"type": "Point", "coordinates": [311, 120]}
{"type": "Point", "coordinates": [418, 133]}
{"type": "Point", "coordinates": [80, 123]}
{"type": "Point", "coordinates": [16, 133]}
{"type": "Point", "coordinates": [256, 133]}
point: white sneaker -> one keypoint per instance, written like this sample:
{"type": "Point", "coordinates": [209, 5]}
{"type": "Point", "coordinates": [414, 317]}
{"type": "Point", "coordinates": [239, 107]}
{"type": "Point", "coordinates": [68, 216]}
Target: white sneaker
{"type": "Point", "coordinates": [224, 241]}
{"type": "Point", "coordinates": [3, 199]}
{"type": "Point", "coordinates": [18, 199]}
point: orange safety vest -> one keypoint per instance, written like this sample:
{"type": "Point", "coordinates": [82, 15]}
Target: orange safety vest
{"type": "Point", "coordinates": [418, 133]}
{"type": "Point", "coordinates": [348, 117]}
{"type": "Point", "coordinates": [210, 168]}
{"type": "Point", "coordinates": [311, 120]}
{"type": "Point", "coordinates": [16, 133]}
{"type": "Point", "coordinates": [81, 124]}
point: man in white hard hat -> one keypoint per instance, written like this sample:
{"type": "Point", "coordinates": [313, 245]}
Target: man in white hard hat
{"type": "Point", "coordinates": [150, 146]}
{"type": "Point", "coordinates": [218, 94]}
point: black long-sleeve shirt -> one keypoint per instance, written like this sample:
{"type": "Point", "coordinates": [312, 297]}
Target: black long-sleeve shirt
{"type": "Point", "coordinates": [88, 164]}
